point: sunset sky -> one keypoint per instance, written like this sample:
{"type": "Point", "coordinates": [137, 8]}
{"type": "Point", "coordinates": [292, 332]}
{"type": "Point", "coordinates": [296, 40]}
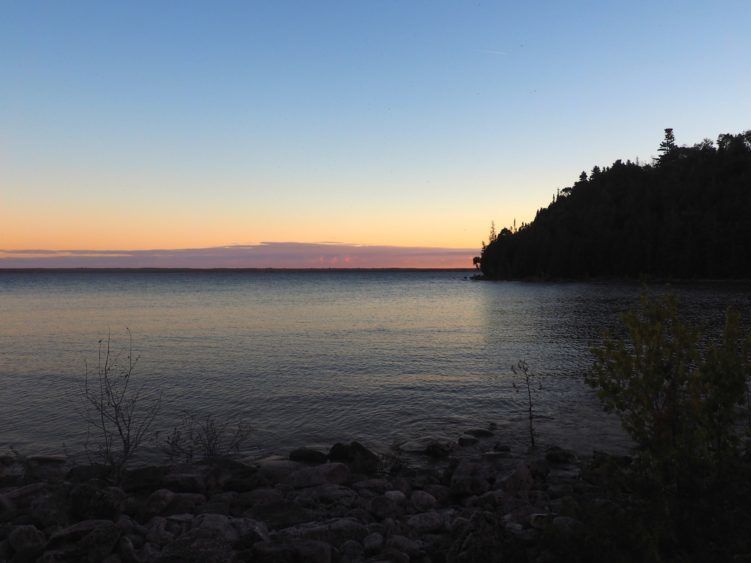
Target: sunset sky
{"type": "Point", "coordinates": [397, 129]}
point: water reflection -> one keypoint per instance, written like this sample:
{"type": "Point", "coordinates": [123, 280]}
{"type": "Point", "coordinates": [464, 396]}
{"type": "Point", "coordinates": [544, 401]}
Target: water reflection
{"type": "Point", "coordinates": [312, 358]}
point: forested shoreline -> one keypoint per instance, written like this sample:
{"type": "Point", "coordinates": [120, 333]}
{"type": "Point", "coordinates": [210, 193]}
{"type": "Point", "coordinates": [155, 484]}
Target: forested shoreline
{"type": "Point", "coordinates": [686, 215]}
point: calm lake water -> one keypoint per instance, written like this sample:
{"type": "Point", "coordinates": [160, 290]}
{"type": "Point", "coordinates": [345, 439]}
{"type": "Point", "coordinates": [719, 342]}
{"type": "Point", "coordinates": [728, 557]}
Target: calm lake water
{"type": "Point", "coordinates": [318, 357]}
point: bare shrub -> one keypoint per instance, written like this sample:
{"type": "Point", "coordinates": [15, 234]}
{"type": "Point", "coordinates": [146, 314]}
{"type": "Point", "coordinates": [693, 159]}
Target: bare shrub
{"type": "Point", "coordinates": [521, 369]}
{"type": "Point", "coordinates": [205, 437]}
{"type": "Point", "coordinates": [118, 413]}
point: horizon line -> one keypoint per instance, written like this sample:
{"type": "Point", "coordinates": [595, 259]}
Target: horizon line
{"type": "Point", "coordinates": [269, 269]}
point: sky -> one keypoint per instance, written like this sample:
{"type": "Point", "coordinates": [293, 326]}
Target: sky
{"type": "Point", "coordinates": [386, 127]}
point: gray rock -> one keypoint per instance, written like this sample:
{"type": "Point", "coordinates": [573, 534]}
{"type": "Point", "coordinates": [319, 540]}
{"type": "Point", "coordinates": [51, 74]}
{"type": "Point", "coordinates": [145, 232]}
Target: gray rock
{"type": "Point", "coordinates": [357, 456]}
{"type": "Point", "coordinates": [50, 508]}
{"type": "Point", "coordinates": [183, 503]}
{"type": "Point", "coordinates": [259, 497]}
{"type": "Point", "coordinates": [307, 455]}
{"type": "Point", "coordinates": [554, 454]}
{"type": "Point", "coordinates": [426, 522]}
{"type": "Point", "coordinates": [393, 555]}
{"type": "Point", "coordinates": [127, 550]}
{"type": "Point", "coordinates": [441, 493]}
{"type": "Point", "coordinates": [352, 549]}
{"type": "Point", "coordinates": [217, 526]}
{"type": "Point", "coordinates": [73, 533]}
{"type": "Point", "coordinates": [333, 473]}
{"type": "Point", "coordinates": [334, 531]}
{"type": "Point", "coordinates": [471, 478]}
{"type": "Point", "coordinates": [100, 542]}
{"type": "Point", "coordinates": [250, 531]}
{"type": "Point", "coordinates": [466, 441]}
{"type": "Point", "coordinates": [564, 473]}
{"type": "Point", "coordinates": [413, 548]}
{"type": "Point", "coordinates": [281, 514]}
{"type": "Point", "coordinates": [46, 467]}
{"type": "Point", "coordinates": [541, 520]}
{"type": "Point", "coordinates": [142, 478]}
{"type": "Point", "coordinates": [569, 527]}
{"type": "Point", "coordinates": [326, 494]}
{"type": "Point", "coordinates": [274, 469]}
{"type": "Point", "coordinates": [185, 482]}
{"type": "Point", "coordinates": [383, 507]}
{"type": "Point", "coordinates": [423, 501]}
{"type": "Point", "coordinates": [158, 501]}
{"type": "Point", "coordinates": [372, 543]}
{"type": "Point", "coordinates": [88, 501]}
{"type": "Point", "coordinates": [26, 540]}
{"type": "Point", "coordinates": [397, 497]}
{"type": "Point", "coordinates": [293, 551]}
{"type": "Point", "coordinates": [479, 432]}
{"type": "Point", "coordinates": [22, 495]}
{"type": "Point", "coordinates": [438, 449]}
{"type": "Point", "coordinates": [516, 480]}
{"type": "Point", "coordinates": [157, 532]}
{"type": "Point", "coordinates": [6, 508]}
{"type": "Point", "coordinates": [197, 546]}
{"type": "Point", "coordinates": [377, 485]}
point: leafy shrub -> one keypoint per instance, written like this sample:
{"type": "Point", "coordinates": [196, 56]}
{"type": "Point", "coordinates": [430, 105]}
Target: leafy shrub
{"type": "Point", "coordinates": [678, 394]}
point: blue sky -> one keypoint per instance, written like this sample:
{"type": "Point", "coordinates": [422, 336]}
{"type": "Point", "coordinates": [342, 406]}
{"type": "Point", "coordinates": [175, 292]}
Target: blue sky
{"type": "Point", "coordinates": [187, 124]}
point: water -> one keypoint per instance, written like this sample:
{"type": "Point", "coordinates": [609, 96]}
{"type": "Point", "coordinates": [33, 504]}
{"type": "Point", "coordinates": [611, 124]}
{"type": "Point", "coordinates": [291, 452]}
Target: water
{"type": "Point", "coordinates": [317, 357]}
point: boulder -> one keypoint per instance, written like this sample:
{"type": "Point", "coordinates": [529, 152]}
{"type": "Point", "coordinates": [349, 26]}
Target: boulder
{"type": "Point", "coordinates": [273, 470]}
{"type": "Point", "coordinates": [413, 548]}
{"type": "Point", "coordinates": [326, 495]}
{"type": "Point", "coordinates": [426, 522]}
{"type": "Point", "coordinates": [88, 501]}
{"type": "Point", "coordinates": [307, 455]}
{"type": "Point", "coordinates": [143, 478]}
{"type": "Point", "coordinates": [281, 514]}
{"type": "Point", "coordinates": [471, 478]}
{"type": "Point", "coordinates": [185, 482]}
{"type": "Point", "coordinates": [372, 543]}
{"type": "Point", "coordinates": [466, 441]}
{"type": "Point", "coordinates": [46, 467]}
{"type": "Point", "coordinates": [334, 531]}
{"type": "Point", "coordinates": [90, 540]}
{"type": "Point", "coordinates": [216, 525]}
{"type": "Point", "coordinates": [423, 501]}
{"type": "Point", "coordinates": [333, 473]}
{"type": "Point", "coordinates": [158, 501]}
{"type": "Point", "coordinates": [259, 497]}
{"type": "Point", "coordinates": [517, 480]}
{"type": "Point", "coordinates": [351, 550]}
{"type": "Point", "coordinates": [26, 541]}
{"type": "Point", "coordinates": [397, 497]}
{"type": "Point", "coordinates": [291, 552]}
{"type": "Point", "coordinates": [569, 527]}
{"type": "Point", "coordinates": [555, 454]}
{"type": "Point", "coordinates": [383, 507]}
{"type": "Point", "coordinates": [479, 432]}
{"type": "Point", "coordinates": [357, 456]}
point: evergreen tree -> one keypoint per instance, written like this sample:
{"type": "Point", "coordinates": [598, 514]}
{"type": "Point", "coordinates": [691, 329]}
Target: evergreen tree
{"type": "Point", "coordinates": [668, 143]}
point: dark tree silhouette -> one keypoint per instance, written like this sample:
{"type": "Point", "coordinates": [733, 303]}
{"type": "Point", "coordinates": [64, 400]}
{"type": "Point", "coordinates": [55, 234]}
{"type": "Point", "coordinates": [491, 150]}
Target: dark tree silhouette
{"type": "Point", "coordinates": [686, 216]}
{"type": "Point", "coordinates": [668, 143]}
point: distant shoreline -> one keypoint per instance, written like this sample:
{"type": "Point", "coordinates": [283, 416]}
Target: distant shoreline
{"type": "Point", "coordinates": [283, 270]}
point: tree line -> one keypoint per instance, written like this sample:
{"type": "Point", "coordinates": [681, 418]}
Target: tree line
{"type": "Point", "coordinates": [685, 215]}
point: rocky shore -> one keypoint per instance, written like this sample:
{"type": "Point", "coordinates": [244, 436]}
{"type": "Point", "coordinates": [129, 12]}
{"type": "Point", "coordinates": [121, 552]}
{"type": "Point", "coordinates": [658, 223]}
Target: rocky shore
{"type": "Point", "coordinates": [471, 500]}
